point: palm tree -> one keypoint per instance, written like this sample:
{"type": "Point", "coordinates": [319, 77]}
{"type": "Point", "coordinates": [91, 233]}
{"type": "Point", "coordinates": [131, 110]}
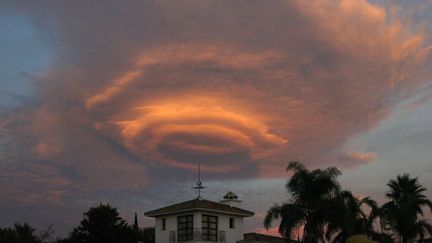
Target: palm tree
{"type": "Point", "coordinates": [351, 219]}
{"type": "Point", "coordinates": [310, 204]}
{"type": "Point", "coordinates": [401, 213]}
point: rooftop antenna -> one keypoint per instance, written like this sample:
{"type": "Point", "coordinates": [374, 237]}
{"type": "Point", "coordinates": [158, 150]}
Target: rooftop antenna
{"type": "Point", "coordinates": [199, 185]}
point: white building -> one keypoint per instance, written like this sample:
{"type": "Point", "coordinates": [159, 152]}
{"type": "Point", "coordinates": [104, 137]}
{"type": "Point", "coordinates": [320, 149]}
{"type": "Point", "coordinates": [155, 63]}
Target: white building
{"type": "Point", "coordinates": [200, 221]}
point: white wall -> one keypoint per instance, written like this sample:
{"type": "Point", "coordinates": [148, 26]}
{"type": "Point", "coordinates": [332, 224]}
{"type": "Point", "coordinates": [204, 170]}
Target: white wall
{"type": "Point", "coordinates": [231, 235]}
{"type": "Point", "coordinates": [162, 236]}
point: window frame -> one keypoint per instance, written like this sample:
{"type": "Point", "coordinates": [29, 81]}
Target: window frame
{"type": "Point", "coordinates": [206, 230]}
{"type": "Point", "coordinates": [186, 225]}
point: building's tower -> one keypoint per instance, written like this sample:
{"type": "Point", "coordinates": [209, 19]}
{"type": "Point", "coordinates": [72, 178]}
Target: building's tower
{"type": "Point", "coordinates": [231, 199]}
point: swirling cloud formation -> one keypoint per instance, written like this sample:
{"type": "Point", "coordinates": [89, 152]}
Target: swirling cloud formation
{"type": "Point", "coordinates": [142, 90]}
{"type": "Point", "coordinates": [190, 126]}
{"type": "Point", "coordinates": [184, 135]}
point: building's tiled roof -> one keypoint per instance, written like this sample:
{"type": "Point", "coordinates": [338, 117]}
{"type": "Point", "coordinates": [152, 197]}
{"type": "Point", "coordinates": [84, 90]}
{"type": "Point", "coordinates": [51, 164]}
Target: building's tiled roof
{"type": "Point", "coordinates": [199, 204]}
{"type": "Point", "coordinates": [255, 237]}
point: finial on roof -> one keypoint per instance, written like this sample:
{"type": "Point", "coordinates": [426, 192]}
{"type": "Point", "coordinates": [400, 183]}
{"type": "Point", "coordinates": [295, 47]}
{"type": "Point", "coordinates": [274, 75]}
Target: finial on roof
{"type": "Point", "coordinates": [199, 185]}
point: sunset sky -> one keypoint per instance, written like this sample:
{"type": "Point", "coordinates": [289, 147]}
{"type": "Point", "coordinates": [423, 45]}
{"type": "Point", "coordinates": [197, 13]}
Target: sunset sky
{"type": "Point", "coordinates": [118, 101]}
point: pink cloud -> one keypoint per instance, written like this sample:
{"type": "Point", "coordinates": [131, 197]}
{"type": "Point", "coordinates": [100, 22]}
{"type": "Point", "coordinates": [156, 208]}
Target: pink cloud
{"type": "Point", "coordinates": [272, 231]}
{"type": "Point", "coordinates": [362, 156]}
{"type": "Point", "coordinates": [293, 82]}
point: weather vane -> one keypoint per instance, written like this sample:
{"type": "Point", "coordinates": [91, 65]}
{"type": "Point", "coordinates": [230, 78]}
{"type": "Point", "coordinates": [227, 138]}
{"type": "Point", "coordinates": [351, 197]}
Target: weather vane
{"type": "Point", "coordinates": [199, 185]}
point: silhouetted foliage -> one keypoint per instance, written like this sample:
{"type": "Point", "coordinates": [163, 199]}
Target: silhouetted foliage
{"type": "Point", "coordinates": [350, 219]}
{"type": "Point", "coordinates": [135, 225]}
{"type": "Point", "coordinates": [401, 213]}
{"type": "Point", "coordinates": [310, 205]}
{"type": "Point", "coordinates": [8, 235]}
{"type": "Point", "coordinates": [323, 211]}
{"type": "Point", "coordinates": [24, 233]}
{"type": "Point", "coordinates": [147, 235]}
{"type": "Point", "coordinates": [100, 225]}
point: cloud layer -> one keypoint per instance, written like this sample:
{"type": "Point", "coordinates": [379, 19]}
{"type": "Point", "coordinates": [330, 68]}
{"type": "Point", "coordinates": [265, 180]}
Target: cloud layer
{"type": "Point", "coordinates": [145, 90]}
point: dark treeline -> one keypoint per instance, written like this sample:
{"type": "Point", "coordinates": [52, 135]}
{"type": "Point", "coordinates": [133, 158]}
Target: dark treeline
{"type": "Point", "coordinates": [100, 224]}
{"type": "Point", "coordinates": [319, 210]}
{"type": "Point", "coordinates": [24, 233]}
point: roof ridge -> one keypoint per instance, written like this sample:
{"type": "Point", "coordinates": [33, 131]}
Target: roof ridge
{"type": "Point", "coordinates": [202, 204]}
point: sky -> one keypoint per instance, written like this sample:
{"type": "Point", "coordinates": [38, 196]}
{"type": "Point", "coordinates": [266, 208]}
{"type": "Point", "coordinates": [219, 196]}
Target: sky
{"type": "Point", "coordinates": [118, 101]}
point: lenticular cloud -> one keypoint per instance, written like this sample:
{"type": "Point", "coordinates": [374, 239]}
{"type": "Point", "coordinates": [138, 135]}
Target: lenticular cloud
{"type": "Point", "coordinates": [182, 127]}
{"type": "Point", "coordinates": [236, 86]}
{"type": "Point", "coordinates": [140, 92]}
{"type": "Point", "coordinates": [183, 135]}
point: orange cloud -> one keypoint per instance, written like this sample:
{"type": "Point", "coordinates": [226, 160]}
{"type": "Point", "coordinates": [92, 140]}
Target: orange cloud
{"type": "Point", "coordinates": [183, 85]}
{"type": "Point", "coordinates": [199, 128]}
{"type": "Point", "coordinates": [316, 96]}
{"type": "Point", "coordinates": [177, 54]}
{"type": "Point", "coordinates": [140, 92]}
{"type": "Point", "coordinates": [362, 156]}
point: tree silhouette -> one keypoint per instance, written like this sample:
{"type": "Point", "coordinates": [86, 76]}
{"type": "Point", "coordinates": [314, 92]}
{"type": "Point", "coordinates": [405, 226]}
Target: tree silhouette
{"type": "Point", "coordinates": [102, 224]}
{"type": "Point", "coordinates": [24, 233]}
{"type": "Point", "coordinates": [351, 219]}
{"type": "Point", "coordinates": [401, 213]}
{"type": "Point", "coordinates": [310, 205]}
{"type": "Point", "coordinates": [135, 229]}
{"type": "Point", "coordinates": [135, 225]}
{"type": "Point", "coordinates": [8, 235]}
{"type": "Point", "coordinates": [147, 235]}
